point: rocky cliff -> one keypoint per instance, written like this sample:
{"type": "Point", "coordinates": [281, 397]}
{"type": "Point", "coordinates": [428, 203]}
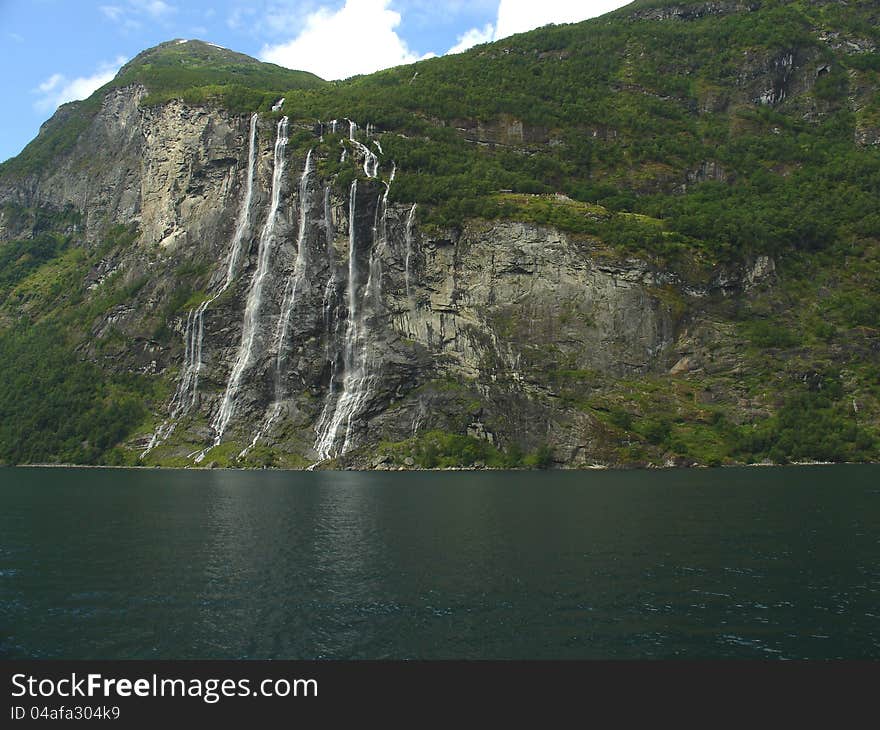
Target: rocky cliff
{"type": "Point", "coordinates": [366, 328]}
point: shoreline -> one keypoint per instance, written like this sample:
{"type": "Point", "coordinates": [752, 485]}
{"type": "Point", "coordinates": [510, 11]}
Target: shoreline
{"type": "Point", "coordinates": [596, 467]}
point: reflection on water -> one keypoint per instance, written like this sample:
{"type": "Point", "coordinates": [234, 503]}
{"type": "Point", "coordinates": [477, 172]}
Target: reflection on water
{"type": "Point", "coordinates": [761, 563]}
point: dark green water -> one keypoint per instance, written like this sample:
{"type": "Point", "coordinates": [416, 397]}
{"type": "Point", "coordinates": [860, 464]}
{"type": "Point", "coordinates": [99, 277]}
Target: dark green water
{"type": "Point", "coordinates": [751, 563]}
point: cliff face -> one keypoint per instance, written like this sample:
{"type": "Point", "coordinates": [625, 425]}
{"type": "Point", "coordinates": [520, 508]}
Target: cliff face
{"type": "Point", "coordinates": [342, 324]}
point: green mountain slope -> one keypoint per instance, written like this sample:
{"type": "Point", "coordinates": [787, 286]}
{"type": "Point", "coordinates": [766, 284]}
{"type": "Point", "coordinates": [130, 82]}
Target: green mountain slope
{"type": "Point", "coordinates": [693, 135]}
{"type": "Point", "coordinates": [198, 71]}
{"type": "Point", "coordinates": [621, 111]}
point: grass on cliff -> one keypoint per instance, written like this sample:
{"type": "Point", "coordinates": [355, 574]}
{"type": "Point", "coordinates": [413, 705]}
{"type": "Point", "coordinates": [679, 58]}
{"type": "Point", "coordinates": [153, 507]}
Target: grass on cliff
{"type": "Point", "coordinates": [55, 405]}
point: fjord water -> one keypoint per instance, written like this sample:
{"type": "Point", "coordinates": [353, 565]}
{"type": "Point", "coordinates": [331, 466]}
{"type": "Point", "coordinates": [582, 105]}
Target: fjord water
{"type": "Point", "coordinates": [746, 563]}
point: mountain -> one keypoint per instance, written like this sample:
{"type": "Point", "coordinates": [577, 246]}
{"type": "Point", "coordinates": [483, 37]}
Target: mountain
{"type": "Point", "coordinates": [649, 238]}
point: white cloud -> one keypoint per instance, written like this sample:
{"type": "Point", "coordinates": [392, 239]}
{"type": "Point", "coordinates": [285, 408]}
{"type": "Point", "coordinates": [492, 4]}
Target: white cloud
{"type": "Point", "coordinates": [362, 36]}
{"type": "Point", "coordinates": [473, 37]}
{"type": "Point", "coordinates": [153, 8]}
{"type": "Point", "coordinates": [50, 84]}
{"type": "Point", "coordinates": [277, 20]}
{"type": "Point", "coordinates": [359, 38]}
{"type": "Point", "coordinates": [131, 14]}
{"type": "Point", "coordinates": [58, 89]}
{"type": "Point", "coordinates": [239, 17]}
{"type": "Point", "coordinates": [111, 12]}
{"type": "Point", "coordinates": [518, 16]}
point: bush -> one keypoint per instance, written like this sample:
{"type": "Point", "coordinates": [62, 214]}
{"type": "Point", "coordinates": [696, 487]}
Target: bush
{"type": "Point", "coordinates": [542, 458]}
{"type": "Point", "coordinates": [811, 425]}
{"type": "Point", "coordinates": [766, 334]}
{"type": "Point", "coordinates": [655, 431]}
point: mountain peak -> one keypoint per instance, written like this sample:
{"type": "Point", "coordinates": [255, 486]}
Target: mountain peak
{"type": "Point", "coordinates": [188, 52]}
{"type": "Point", "coordinates": [189, 68]}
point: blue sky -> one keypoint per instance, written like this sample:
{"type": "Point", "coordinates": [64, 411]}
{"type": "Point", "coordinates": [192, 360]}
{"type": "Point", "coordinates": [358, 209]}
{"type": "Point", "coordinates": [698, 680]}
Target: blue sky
{"type": "Point", "coordinates": [52, 51]}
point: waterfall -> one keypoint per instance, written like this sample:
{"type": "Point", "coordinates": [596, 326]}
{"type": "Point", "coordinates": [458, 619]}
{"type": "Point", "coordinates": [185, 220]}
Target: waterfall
{"type": "Point", "coordinates": [340, 415]}
{"type": "Point", "coordinates": [380, 228]}
{"type": "Point", "coordinates": [194, 364]}
{"type": "Point", "coordinates": [180, 396]}
{"type": "Point", "coordinates": [244, 215]}
{"type": "Point", "coordinates": [198, 338]}
{"type": "Point", "coordinates": [255, 295]}
{"type": "Point", "coordinates": [350, 328]}
{"type": "Point", "coordinates": [299, 274]}
{"type": "Point", "coordinates": [330, 288]}
{"type": "Point", "coordinates": [408, 237]}
{"type": "Point", "coordinates": [187, 389]}
{"type": "Point", "coordinates": [233, 258]}
{"type": "Point", "coordinates": [331, 323]}
{"type": "Point", "coordinates": [371, 161]}
{"type": "Point", "coordinates": [300, 270]}
{"type": "Point", "coordinates": [334, 413]}
{"type": "Point", "coordinates": [373, 288]}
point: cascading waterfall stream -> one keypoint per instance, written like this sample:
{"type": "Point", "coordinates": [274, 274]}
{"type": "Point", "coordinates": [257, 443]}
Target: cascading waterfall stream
{"type": "Point", "coordinates": [331, 418]}
{"type": "Point", "coordinates": [330, 288]}
{"type": "Point", "coordinates": [235, 250]}
{"type": "Point", "coordinates": [349, 329]}
{"type": "Point", "coordinates": [360, 386]}
{"type": "Point", "coordinates": [244, 215]}
{"type": "Point", "coordinates": [371, 161]}
{"type": "Point", "coordinates": [331, 323]}
{"type": "Point", "coordinates": [187, 389]}
{"type": "Point", "coordinates": [408, 238]}
{"type": "Point", "coordinates": [300, 269]}
{"type": "Point", "coordinates": [255, 295]}
{"type": "Point", "coordinates": [380, 242]}
{"type": "Point", "coordinates": [340, 414]}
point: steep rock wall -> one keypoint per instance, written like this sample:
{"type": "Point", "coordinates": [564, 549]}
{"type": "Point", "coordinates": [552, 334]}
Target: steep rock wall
{"type": "Point", "coordinates": [368, 328]}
